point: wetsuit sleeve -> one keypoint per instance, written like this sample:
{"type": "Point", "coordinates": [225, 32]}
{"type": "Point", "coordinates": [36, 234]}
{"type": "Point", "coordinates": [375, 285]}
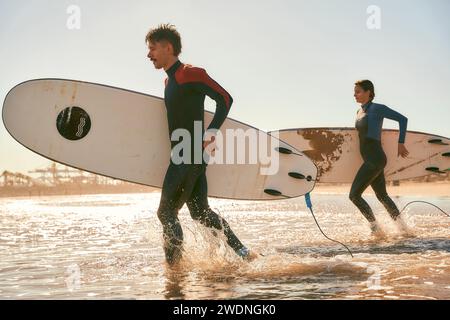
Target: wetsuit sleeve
{"type": "Point", "coordinates": [386, 112]}
{"type": "Point", "coordinates": [206, 85]}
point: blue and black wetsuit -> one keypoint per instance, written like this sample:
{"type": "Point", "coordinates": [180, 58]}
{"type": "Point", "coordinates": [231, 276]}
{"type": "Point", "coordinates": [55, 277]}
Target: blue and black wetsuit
{"type": "Point", "coordinates": [369, 124]}
{"type": "Point", "coordinates": [184, 96]}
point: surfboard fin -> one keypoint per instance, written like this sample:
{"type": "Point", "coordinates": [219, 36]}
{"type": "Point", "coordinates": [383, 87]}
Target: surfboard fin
{"type": "Point", "coordinates": [437, 141]}
{"type": "Point", "coordinates": [284, 150]}
{"type": "Point", "coordinates": [434, 169]}
{"type": "Point", "coordinates": [297, 175]}
{"type": "Point", "coordinates": [273, 192]}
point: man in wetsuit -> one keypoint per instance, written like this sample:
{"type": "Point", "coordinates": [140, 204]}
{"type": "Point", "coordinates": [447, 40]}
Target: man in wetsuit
{"type": "Point", "coordinates": [369, 123]}
{"type": "Point", "coordinates": [185, 180]}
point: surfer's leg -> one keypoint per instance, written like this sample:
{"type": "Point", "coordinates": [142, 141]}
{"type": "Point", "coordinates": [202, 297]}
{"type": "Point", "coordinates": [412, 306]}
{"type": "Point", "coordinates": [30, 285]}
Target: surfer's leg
{"type": "Point", "coordinates": [168, 213]}
{"type": "Point", "coordinates": [379, 186]}
{"type": "Point", "coordinates": [200, 211]}
{"type": "Point", "coordinates": [365, 175]}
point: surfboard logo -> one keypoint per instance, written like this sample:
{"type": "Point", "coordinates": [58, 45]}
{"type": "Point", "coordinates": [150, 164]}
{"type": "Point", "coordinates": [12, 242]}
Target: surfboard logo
{"type": "Point", "coordinates": [73, 123]}
{"type": "Point", "coordinates": [80, 127]}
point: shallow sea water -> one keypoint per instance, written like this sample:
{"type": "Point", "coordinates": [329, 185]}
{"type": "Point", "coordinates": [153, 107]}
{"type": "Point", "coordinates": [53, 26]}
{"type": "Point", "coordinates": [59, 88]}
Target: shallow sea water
{"type": "Point", "coordinates": [109, 247]}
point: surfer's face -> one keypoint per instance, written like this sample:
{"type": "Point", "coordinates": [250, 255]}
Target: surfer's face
{"type": "Point", "coordinates": [159, 53]}
{"type": "Point", "coordinates": [361, 96]}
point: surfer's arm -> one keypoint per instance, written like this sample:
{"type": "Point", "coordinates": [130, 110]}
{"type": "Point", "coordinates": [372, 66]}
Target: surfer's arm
{"type": "Point", "coordinates": [205, 84]}
{"type": "Point", "coordinates": [387, 112]}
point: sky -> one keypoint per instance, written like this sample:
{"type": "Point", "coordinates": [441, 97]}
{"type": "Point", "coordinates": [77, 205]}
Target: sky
{"type": "Point", "coordinates": [287, 64]}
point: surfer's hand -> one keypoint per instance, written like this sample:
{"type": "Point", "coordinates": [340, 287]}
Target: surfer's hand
{"type": "Point", "coordinates": [208, 142]}
{"type": "Point", "coordinates": [402, 151]}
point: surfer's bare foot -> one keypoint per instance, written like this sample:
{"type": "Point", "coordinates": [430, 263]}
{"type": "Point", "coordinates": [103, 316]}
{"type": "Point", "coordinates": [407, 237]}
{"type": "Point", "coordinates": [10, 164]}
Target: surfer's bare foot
{"type": "Point", "coordinates": [377, 232]}
{"type": "Point", "coordinates": [174, 254]}
{"type": "Point", "coordinates": [252, 256]}
{"type": "Point", "coordinates": [403, 228]}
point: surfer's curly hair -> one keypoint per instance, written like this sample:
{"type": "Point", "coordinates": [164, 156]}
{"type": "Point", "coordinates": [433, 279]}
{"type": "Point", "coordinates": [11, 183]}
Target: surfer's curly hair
{"type": "Point", "coordinates": [367, 85]}
{"type": "Point", "coordinates": [165, 32]}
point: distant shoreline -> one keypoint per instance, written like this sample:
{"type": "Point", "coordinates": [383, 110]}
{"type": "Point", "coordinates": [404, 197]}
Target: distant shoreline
{"type": "Point", "coordinates": [435, 188]}
{"type": "Point", "coordinates": [71, 189]}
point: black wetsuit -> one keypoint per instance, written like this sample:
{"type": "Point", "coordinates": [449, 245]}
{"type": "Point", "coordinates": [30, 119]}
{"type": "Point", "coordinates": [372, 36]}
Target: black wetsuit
{"type": "Point", "coordinates": [369, 125]}
{"type": "Point", "coordinates": [185, 182]}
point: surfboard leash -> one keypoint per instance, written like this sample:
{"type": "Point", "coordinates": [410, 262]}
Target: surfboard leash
{"type": "Point", "coordinates": [415, 201]}
{"type": "Point", "coordinates": [277, 193]}
{"type": "Point", "coordinates": [309, 205]}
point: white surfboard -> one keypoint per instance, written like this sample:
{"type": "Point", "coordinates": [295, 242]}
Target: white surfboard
{"type": "Point", "coordinates": [335, 152]}
{"type": "Point", "coordinates": [123, 134]}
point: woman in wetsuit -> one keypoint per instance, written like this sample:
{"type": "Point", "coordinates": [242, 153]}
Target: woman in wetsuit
{"type": "Point", "coordinates": [369, 123]}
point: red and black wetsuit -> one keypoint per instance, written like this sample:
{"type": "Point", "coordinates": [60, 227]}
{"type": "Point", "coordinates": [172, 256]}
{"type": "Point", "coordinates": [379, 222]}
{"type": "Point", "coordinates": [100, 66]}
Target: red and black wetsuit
{"type": "Point", "coordinates": [184, 96]}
